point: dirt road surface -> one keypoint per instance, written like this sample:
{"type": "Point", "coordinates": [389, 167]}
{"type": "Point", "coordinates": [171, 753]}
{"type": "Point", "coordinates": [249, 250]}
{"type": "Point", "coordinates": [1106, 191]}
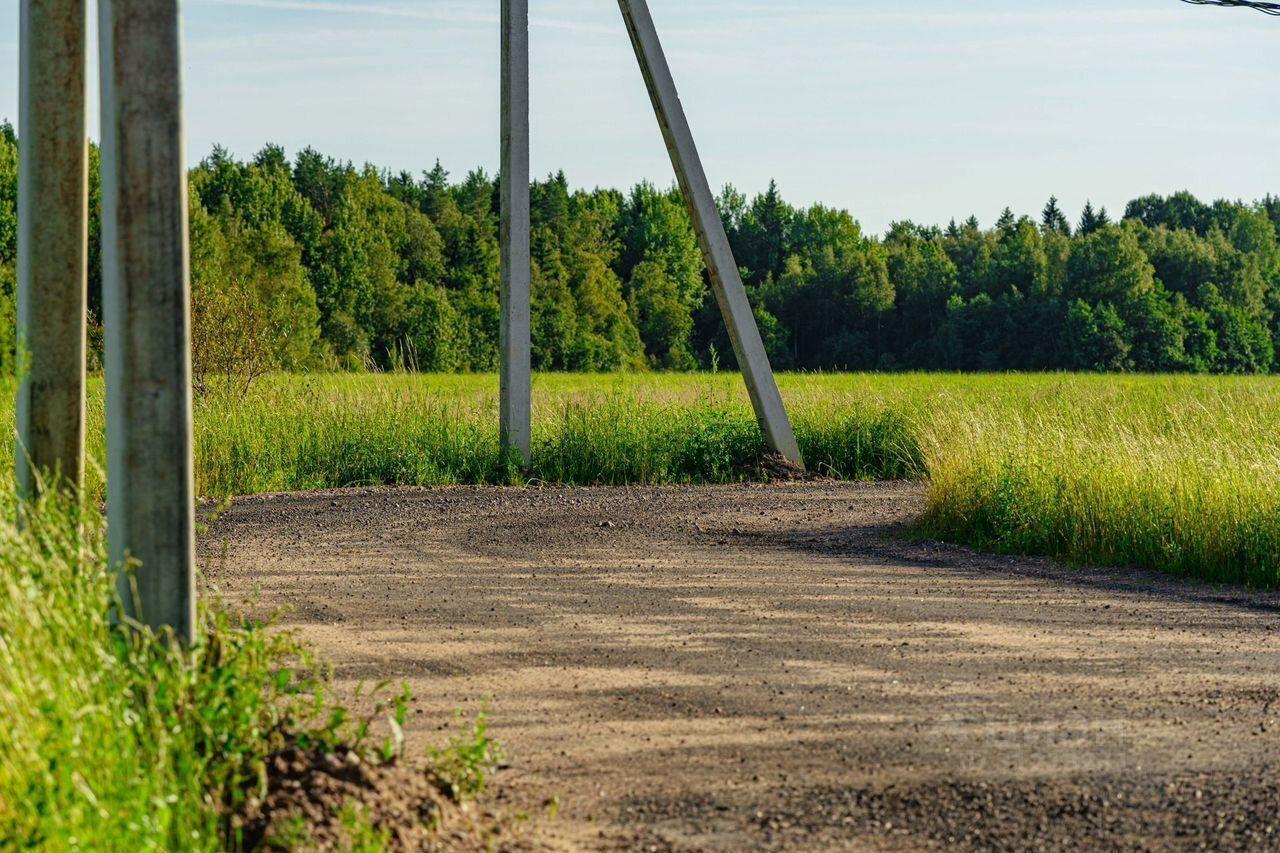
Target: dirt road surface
{"type": "Point", "coordinates": [780, 667]}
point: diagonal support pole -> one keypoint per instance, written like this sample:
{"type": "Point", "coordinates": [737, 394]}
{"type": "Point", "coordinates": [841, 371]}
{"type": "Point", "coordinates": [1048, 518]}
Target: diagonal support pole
{"type": "Point", "coordinates": [52, 242]}
{"type": "Point", "coordinates": [515, 380]}
{"type": "Point", "coordinates": [726, 281]}
{"type": "Point", "coordinates": [146, 312]}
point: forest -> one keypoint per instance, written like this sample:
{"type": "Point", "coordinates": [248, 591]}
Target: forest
{"type": "Point", "coordinates": [316, 263]}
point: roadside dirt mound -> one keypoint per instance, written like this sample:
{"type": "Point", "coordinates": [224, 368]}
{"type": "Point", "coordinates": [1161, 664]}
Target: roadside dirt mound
{"type": "Point", "coordinates": [324, 800]}
{"type": "Point", "coordinates": [776, 468]}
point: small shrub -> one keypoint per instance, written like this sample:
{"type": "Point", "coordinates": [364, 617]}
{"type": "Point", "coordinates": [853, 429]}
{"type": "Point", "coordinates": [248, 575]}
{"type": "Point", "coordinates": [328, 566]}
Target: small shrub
{"type": "Point", "coordinates": [464, 765]}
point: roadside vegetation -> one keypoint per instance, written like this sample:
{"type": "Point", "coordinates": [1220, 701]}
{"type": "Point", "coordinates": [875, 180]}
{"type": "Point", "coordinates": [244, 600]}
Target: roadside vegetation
{"type": "Point", "coordinates": [114, 739]}
{"type": "Point", "coordinates": [1178, 473]}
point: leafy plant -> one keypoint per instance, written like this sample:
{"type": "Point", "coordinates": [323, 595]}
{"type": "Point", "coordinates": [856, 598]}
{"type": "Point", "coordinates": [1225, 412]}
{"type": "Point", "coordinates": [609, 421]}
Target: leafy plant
{"type": "Point", "coordinates": [462, 767]}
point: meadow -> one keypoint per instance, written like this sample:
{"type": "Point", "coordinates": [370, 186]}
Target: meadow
{"type": "Point", "coordinates": [1177, 473]}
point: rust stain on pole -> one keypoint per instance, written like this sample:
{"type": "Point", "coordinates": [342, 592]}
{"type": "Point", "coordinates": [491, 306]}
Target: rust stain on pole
{"type": "Point", "coordinates": [150, 483]}
{"type": "Point", "coordinates": [52, 242]}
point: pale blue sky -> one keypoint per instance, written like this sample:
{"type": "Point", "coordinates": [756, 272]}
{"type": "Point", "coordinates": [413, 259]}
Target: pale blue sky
{"type": "Point", "coordinates": [924, 109]}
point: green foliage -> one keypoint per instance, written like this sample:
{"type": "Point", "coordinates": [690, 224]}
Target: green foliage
{"type": "Point", "coordinates": [360, 835]}
{"type": "Point", "coordinates": [8, 195]}
{"type": "Point", "coordinates": [318, 262]}
{"type": "Point", "coordinates": [1094, 337]}
{"type": "Point", "coordinates": [8, 317]}
{"type": "Point", "coordinates": [1107, 264]}
{"type": "Point", "coordinates": [463, 766]}
{"type": "Point", "coordinates": [118, 740]}
{"type": "Point", "coordinates": [1092, 220]}
{"type": "Point", "coordinates": [252, 305]}
{"type": "Point", "coordinates": [1053, 219]}
{"type": "Point", "coordinates": [662, 318]}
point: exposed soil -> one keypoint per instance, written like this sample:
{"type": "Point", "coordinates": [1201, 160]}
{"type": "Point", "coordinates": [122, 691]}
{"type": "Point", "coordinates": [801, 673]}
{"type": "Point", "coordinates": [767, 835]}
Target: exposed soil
{"type": "Point", "coordinates": [320, 800]}
{"type": "Point", "coordinates": [778, 667]}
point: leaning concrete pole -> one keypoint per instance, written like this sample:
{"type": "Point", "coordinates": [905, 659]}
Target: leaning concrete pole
{"type": "Point", "coordinates": [725, 278]}
{"type": "Point", "coordinates": [52, 241]}
{"type": "Point", "coordinates": [515, 382]}
{"type": "Point", "coordinates": [146, 312]}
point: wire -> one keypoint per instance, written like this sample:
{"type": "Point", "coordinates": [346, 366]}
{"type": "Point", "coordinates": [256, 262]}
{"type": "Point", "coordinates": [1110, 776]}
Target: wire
{"type": "Point", "coordinates": [1265, 8]}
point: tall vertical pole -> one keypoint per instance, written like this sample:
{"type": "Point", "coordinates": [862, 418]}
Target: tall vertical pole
{"type": "Point", "coordinates": [150, 500]}
{"type": "Point", "coordinates": [726, 281]}
{"type": "Point", "coordinates": [52, 242]}
{"type": "Point", "coordinates": [515, 391]}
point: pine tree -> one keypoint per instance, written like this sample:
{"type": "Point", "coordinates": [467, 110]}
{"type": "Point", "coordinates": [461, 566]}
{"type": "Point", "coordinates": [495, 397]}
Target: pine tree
{"type": "Point", "coordinates": [435, 189]}
{"type": "Point", "coordinates": [1091, 220]}
{"type": "Point", "coordinates": [1007, 220]}
{"type": "Point", "coordinates": [1271, 206]}
{"type": "Point", "coordinates": [437, 180]}
{"type": "Point", "coordinates": [772, 217]}
{"type": "Point", "coordinates": [1053, 219]}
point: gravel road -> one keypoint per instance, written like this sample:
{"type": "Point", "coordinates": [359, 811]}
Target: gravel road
{"type": "Point", "coordinates": [781, 667]}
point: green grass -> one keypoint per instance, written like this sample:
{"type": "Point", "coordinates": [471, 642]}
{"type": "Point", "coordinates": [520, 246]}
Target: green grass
{"type": "Point", "coordinates": [327, 431]}
{"type": "Point", "coordinates": [1180, 475]}
{"type": "Point", "coordinates": [1175, 473]}
{"type": "Point", "coordinates": [116, 740]}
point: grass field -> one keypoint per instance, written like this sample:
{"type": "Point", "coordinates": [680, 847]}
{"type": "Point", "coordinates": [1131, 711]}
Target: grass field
{"type": "Point", "coordinates": [1176, 473]}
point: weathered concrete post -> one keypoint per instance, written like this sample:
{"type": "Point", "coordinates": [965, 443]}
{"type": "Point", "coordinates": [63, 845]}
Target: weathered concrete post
{"type": "Point", "coordinates": [146, 311]}
{"type": "Point", "coordinates": [515, 391]}
{"type": "Point", "coordinates": [52, 241]}
{"type": "Point", "coordinates": [725, 278]}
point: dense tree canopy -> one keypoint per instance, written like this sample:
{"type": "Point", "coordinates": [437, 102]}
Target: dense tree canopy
{"type": "Point", "coordinates": [312, 262]}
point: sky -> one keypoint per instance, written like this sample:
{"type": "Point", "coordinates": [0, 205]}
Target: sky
{"type": "Point", "coordinates": [922, 110]}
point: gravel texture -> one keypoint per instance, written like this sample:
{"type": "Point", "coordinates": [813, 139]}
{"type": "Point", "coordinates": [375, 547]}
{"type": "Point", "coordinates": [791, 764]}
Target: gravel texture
{"type": "Point", "coordinates": [782, 667]}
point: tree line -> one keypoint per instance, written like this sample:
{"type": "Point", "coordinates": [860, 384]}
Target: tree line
{"type": "Point", "coordinates": [313, 262]}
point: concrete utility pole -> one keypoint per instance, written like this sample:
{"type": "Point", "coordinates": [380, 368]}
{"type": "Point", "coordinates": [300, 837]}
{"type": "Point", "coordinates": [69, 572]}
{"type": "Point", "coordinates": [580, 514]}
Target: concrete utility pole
{"type": "Point", "coordinates": [150, 499]}
{"type": "Point", "coordinates": [515, 391]}
{"type": "Point", "coordinates": [725, 278]}
{"type": "Point", "coordinates": [52, 242]}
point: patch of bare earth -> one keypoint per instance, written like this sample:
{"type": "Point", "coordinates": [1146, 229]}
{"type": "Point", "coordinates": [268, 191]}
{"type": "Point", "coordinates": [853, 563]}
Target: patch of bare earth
{"type": "Point", "coordinates": [775, 667]}
{"type": "Point", "coordinates": [321, 800]}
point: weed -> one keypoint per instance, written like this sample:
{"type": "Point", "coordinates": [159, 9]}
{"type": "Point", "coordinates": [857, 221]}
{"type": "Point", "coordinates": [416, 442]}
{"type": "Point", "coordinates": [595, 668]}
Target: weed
{"type": "Point", "coordinates": [360, 835]}
{"type": "Point", "coordinates": [463, 766]}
